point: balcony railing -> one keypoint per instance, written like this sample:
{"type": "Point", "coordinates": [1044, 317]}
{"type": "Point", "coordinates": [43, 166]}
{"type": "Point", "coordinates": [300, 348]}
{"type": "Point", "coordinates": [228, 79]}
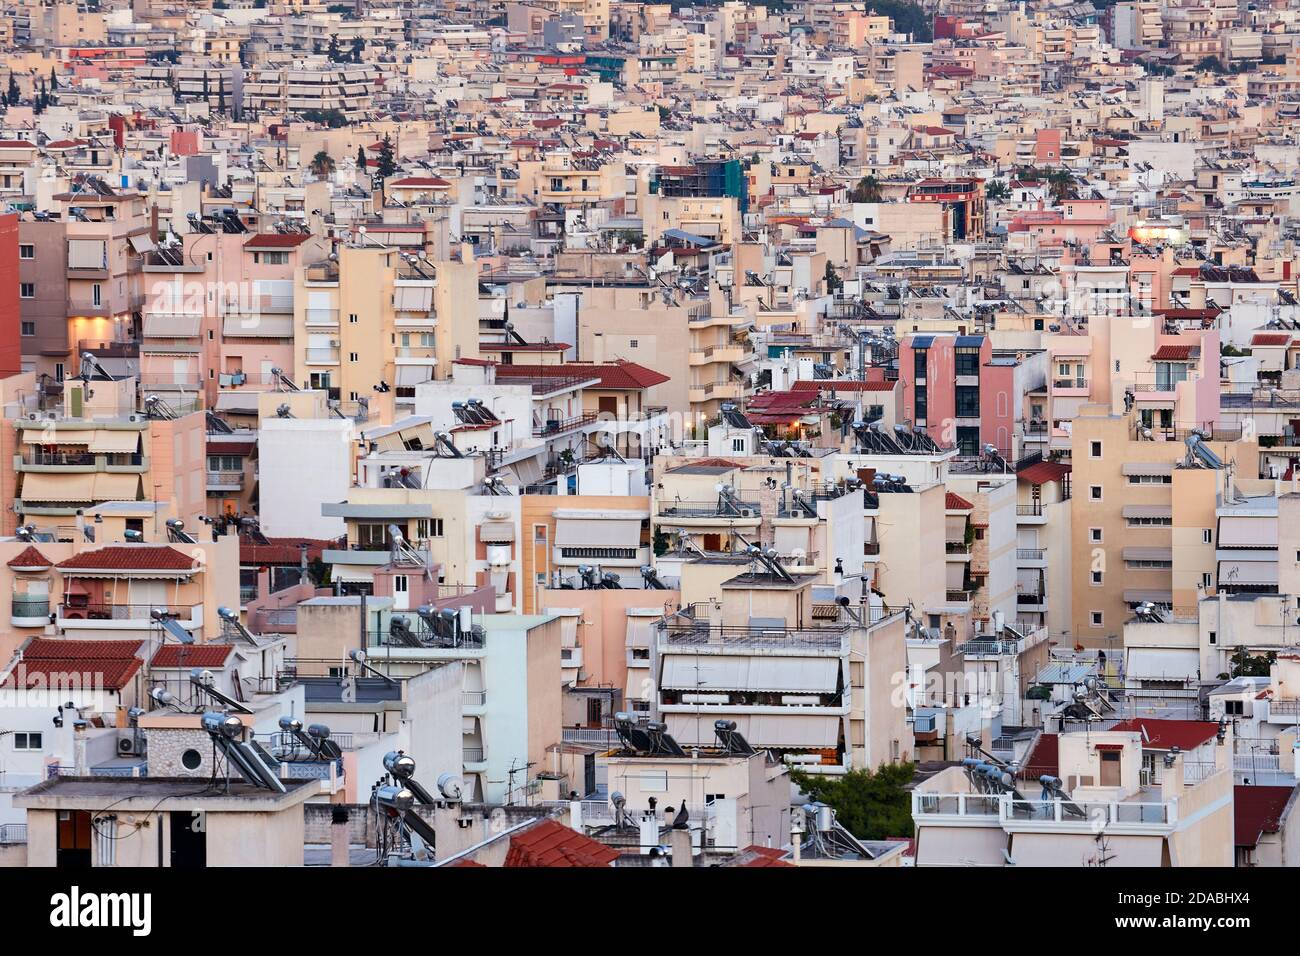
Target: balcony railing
{"type": "Point", "coordinates": [957, 597]}
{"type": "Point", "coordinates": [1029, 554]}
{"type": "Point", "coordinates": [475, 698]}
{"type": "Point", "coordinates": [119, 612]}
{"type": "Point", "coordinates": [956, 547]}
{"type": "Point", "coordinates": [708, 509]}
{"type": "Point", "coordinates": [556, 426]}
{"type": "Point", "coordinates": [1069, 383]}
{"type": "Point", "coordinates": [1036, 508]}
{"type": "Point", "coordinates": [13, 833]}
{"type": "Point", "coordinates": [24, 606]}
{"type": "Point", "coordinates": [472, 754]}
{"type": "Point", "coordinates": [226, 479]}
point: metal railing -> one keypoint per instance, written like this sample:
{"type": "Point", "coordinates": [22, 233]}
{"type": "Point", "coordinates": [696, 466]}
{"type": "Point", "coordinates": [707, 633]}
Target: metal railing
{"type": "Point", "coordinates": [559, 426]}
{"type": "Point", "coordinates": [701, 632]}
{"type": "Point", "coordinates": [12, 833]}
{"type": "Point", "coordinates": [22, 606]}
{"type": "Point", "coordinates": [119, 612]}
{"type": "Point", "coordinates": [472, 754]}
{"type": "Point", "coordinates": [1029, 554]}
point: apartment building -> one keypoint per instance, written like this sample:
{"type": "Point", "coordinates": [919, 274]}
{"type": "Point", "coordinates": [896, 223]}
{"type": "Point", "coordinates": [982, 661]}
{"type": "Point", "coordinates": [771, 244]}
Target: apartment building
{"type": "Point", "coordinates": [1143, 508]}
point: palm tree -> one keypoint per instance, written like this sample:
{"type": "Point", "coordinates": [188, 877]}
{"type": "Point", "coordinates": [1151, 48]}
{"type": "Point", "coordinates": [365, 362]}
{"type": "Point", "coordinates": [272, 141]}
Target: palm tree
{"type": "Point", "coordinates": [867, 190]}
{"type": "Point", "coordinates": [321, 164]}
{"type": "Point", "coordinates": [1061, 183]}
{"type": "Point", "coordinates": [997, 191]}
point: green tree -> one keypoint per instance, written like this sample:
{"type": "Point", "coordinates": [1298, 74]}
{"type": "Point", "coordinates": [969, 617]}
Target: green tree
{"type": "Point", "coordinates": [361, 157]}
{"type": "Point", "coordinates": [833, 281]}
{"type": "Point", "coordinates": [54, 79]}
{"type": "Point", "coordinates": [321, 164]}
{"type": "Point", "coordinates": [333, 51]}
{"type": "Point", "coordinates": [1244, 665]}
{"type": "Point", "coordinates": [386, 164]}
{"type": "Point", "coordinates": [14, 95]}
{"type": "Point", "coordinates": [996, 190]}
{"type": "Point", "coordinates": [908, 18]}
{"type": "Point", "coordinates": [872, 805]}
{"type": "Point", "coordinates": [1061, 185]}
{"type": "Point", "coordinates": [358, 47]}
{"type": "Point", "coordinates": [867, 190]}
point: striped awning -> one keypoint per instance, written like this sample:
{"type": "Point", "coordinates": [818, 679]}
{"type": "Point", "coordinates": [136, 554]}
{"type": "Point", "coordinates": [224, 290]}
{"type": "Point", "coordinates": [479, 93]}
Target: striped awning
{"type": "Point", "coordinates": [496, 532]}
{"type": "Point", "coordinates": [1147, 511]}
{"type": "Point", "coordinates": [1147, 468]}
{"type": "Point", "coordinates": [1148, 554]}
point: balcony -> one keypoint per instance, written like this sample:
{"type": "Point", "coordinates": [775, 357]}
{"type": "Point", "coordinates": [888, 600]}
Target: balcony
{"type": "Point", "coordinates": [1070, 386]}
{"type": "Point", "coordinates": [555, 426]}
{"type": "Point", "coordinates": [1031, 601]}
{"type": "Point", "coordinates": [473, 755]}
{"type": "Point", "coordinates": [78, 462]}
{"type": "Point", "coordinates": [321, 318]}
{"type": "Point", "coordinates": [958, 550]}
{"type": "Point", "coordinates": [957, 597]}
{"type": "Point", "coordinates": [103, 350]}
{"type": "Point", "coordinates": [77, 614]}
{"type": "Point", "coordinates": [1031, 513]}
{"type": "Point", "coordinates": [694, 513]}
{"type": "Point", "coordinates": [329, 356]}
{"type": "Point", "coordinates": [225, 480]}
{"type": "Point", "coordinates": [29, 610]}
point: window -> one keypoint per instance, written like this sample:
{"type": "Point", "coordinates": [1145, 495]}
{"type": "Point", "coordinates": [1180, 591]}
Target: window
{"type": "Point", "coordinates": [968, 401]}
{"type": "Point", "coordinates": [1149, 522]}
{"type": "Point", "coordinates": [968, 361]}
{"type": "Point", "coordinates": [1234, 708]}
{"type": "Point", "coordinates": [632, 343]}
{"type": "Point", "coordinates": [271, 258]}
{"type": "Point", "coordinates": [27, 741]}
{"type": "Point", "coordinates": [97, 294]}
{"type": "Point", "coordinates": [1207, 536]}
{"type": "Point", "coordinates": [1094, 492]}
{"type": "Point", "coordinates": [29, 328]}
{"type": "Point", "coordinates": [1094, 449]}
{"type": "Point", "coordinates": [225, 463]}
{"type": "Point", "coordinates": [353, 356]}
{"type": "Point", "coordinates": [352, 318]}
{"type": "Point", "coordinates": [738, 444]}
{"type": "Point", "coordinates": [1150, 479]}
{"type": "Point", "coordinates": [1095, 618]}
{"type": "Point", "coordinates": [1094, 535]}
{"type": "Point", "coordinates": [1207, 579]}
{"type": "Point", "coordinates": [1096, 577]}
{"type": "Point", "coordinates": [1214, 638]}
{"type": "Point", "coordinates": [26, 251]}
{"type": "Point", "coordinates": [27, 290]}
{"type": "Point", "coordinates": [1145, 565]}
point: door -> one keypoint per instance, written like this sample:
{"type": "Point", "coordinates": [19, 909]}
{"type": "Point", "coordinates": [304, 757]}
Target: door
{"type": "Point", "coordinates": [401, 593]}
{"type": "Point", "coordinates": [74, 831]}
{"type": "Point", "coordinates": [189, 840]}
{"type": "Point", "coordinates": [147, 595]}
{"type": "Point", "coordinates": [1110, 768]}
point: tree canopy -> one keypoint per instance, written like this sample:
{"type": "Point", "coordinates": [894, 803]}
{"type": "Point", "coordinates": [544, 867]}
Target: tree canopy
{"type": "Point", "coordinates": [870, 804]}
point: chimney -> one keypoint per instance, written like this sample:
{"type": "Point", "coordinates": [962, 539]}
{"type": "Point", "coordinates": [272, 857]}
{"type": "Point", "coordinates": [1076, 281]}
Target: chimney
{"type": "Point", "coordinates": [1171, 777]}
{"type": "Point", "coordinates": [79, 747]}
{"type": "Point", "coordinates": [339, 837]}
{"type": "Point", "coordinates": [680, 842]}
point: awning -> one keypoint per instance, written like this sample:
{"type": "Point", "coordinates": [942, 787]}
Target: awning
{"type": "Point", "coordinates": [1147, 511]}
{"type": "Point", "coordinates": [1247, 572]}
{"type": "Point", "coordinates": [1140, 595]}
{"type": "Point", "coordinates": [87, 254]}
{"type": "Point", "coordinates": [598, 532]}
{"type": "Point", "coordinates": [1147, 468]}
{"type": "Point", "coordinates": [67, 436]}
{"type": "Point", "coordinates": [117, 487]}
{"type": "Point", "coordinates": [107, 442]}
{"type": "Point", "coordinates": [790, 731]}
{"type": "Point", "coordinates": [245, 402]}
{"type": "Point", "coordinates": [171, 325]}
{"type": "Point", "coordinates": [1163, 663]}
{"type": "Point", "coordinates": [640, 631]}
{"type": "Point", "coordinates": [141, 244]}
{"type": "Point", "coordinates": [263, 326]}
{"type": "Point", "coordinates": [1237, 531]}
{"type": "Point", "coordinates": [793, 675]}
{"type": "Point", "coordinates": [1148, 554]}
{"type": "Point", "coordinates": [960, 846]}
{"type": "Point", "coordinates": [408, 376]}
{"type": "Point", "coordinates": [497, 532]}
{"type": "Point", "coordinates": [413, 299]}
{"type": "Point", "coordinates": [42, 487]}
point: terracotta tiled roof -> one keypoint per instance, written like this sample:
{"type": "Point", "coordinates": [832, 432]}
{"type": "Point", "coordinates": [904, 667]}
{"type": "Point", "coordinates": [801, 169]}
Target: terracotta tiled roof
{"type": "Point", "coordinates": [552, 844]}
{"type": "Point", "coordinates": [954, 502]}
{"type": "Point", "coordinates": [109, 664]}
{"type": "Point", "coordinates": [842, 385]}
{"type": "Point", "coordinates": [277, 240]}
{"type": "Point", "coordinates": [761, 856]}
{"type": "Point", "coordinates": [1040, 473]}
{"type": "Point", "coordinates": [192, 655]}
{"type": "Point", "coordinates": [1043, 759]}
{"type": "Point", "coordinates": [1173, 353]}
{"type": "Point", "coordinates": [1270, 338]}
{"type": "Point", "coordinates": [619, 374]}
{"type": "Point", "coordinates": [125, 558]}
{"type": "Point", "coordinates": [1256, 811]}
{"type": "Point", "coordinates": [1164, 734]}
{"type": "Point", "coordinates": [29, 557]}
{"type": "Point", "coordinates": [436, 182]}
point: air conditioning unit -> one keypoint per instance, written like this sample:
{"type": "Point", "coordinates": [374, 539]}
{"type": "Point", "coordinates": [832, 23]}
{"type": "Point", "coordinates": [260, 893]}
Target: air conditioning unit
{"type": "Point", "coordinates": [127, 746]}
{"type": "Point", "coordinates": [747, 512]}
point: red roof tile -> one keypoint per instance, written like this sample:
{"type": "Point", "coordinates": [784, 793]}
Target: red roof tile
{"type": "Point", "coordinates": [127, 558]}
{"type": "Point", "coordinates": [436, 182]}
{"type": "Point", "coordinates": [954, 502]}
{"type": "Point", "coordinates": [761, 856]}
{"type": "Point", "coordinates": [277, 240]}
{"type": "Point", "coordinates": [1270, 338]}
{"type": "Point", "coordinates": [1164, 734]}
{"type": "Point", "coordinates": [842, 385]}
{"type": "Point", "coordinates": [1173, 353]}
{"type": "Point", "coordinates": [49, 663]}
{"type": "Point", "coordinates": [552, 844]}
{"type": "Point", "coordinates": [192, 655]}
{"type": "Point", "coordinates": [29, 557]}
{"type": "Point", "coordinates": [1043, 759]}
{"type": "Point", "coordinates": [619, 374]}
{"type": "Point", "coordinates": [1258, 810]}
{"type": "Point", "coordinates": [1040, 473]}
